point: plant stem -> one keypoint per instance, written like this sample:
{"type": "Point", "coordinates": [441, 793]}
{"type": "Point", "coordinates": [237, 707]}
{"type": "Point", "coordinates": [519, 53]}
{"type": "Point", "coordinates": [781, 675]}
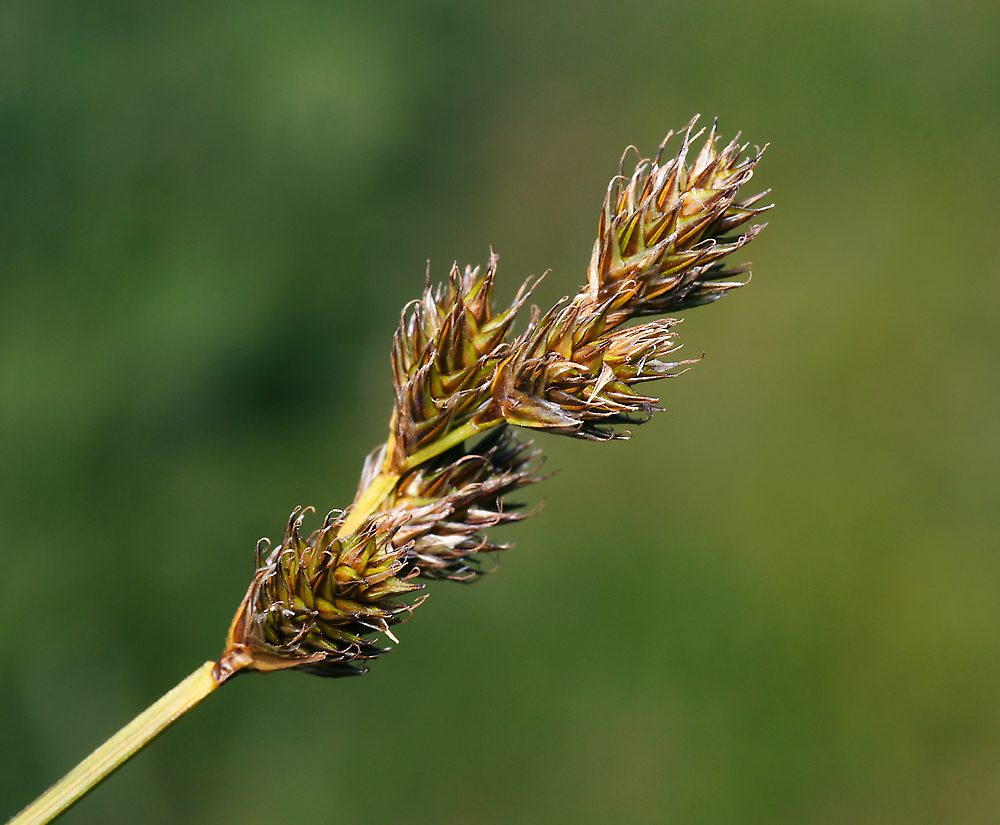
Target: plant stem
{"type": "Point", "coordinates": [380, 487]}
{"type": "Point", "coordinates": [385, 481]}
{"type": "Point", "coordinates": [119, 748]}
{"type": "Point", "coordinates": [455, 437]}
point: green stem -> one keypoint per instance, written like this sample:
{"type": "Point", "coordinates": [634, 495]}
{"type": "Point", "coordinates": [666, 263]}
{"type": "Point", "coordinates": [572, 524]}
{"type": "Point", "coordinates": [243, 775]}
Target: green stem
{"type": "Point", "coordinates": [380, 487]}
{"type": "Point", "coordinates": [385, 481]}
{"type": "Point", "coordinates": [119, 748]}
{"type": "Point", "coordinates": [455, 437]}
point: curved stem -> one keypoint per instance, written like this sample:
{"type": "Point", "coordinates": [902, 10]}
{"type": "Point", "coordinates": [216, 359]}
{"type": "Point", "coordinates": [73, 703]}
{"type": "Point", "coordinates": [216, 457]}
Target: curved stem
{"type": "Point", "coordinates": [120, 748]}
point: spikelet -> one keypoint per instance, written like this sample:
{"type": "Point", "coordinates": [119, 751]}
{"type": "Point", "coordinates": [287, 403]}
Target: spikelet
{"type": "Point", "coordinates": [665, 229]}
{"type": "Point", "coordinates": [315, 604]}
{"type": "Point", "coordinates": [661, 240]}
{"type": "Point", "coordinates": [444, 355]}
{"type": "Point", "coordinates": [444, 505]}
{"type": "Point", "coordinates": [567, 378]}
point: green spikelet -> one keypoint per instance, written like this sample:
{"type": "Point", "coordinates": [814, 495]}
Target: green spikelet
{"type": "Point", "coordinates": [314, 604]}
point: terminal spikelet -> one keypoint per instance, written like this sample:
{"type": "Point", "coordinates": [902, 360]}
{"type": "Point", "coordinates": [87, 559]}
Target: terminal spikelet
{"type": "Point", "coordinates": [666, 229]}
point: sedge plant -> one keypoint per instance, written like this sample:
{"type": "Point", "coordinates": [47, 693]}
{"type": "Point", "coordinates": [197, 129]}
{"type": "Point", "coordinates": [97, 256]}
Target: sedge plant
{"type": "Point", "coordinates": [467, 386]}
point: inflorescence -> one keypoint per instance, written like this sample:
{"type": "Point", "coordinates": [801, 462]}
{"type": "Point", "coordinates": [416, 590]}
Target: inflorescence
{"type": "Point", "coordinates": [463, 379]}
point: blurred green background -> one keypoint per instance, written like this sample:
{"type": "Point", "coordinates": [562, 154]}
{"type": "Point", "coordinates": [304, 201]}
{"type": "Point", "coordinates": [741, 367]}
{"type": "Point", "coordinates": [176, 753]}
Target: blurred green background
{"type": "Point", "coordinates": [779, 603]}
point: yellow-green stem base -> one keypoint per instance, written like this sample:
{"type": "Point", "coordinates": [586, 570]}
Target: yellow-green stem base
{"type": "Point", "coordinates": [119, 748]}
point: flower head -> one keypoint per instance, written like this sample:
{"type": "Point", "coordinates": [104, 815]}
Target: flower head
{"type": "Point", "coordinates": [463, 379]}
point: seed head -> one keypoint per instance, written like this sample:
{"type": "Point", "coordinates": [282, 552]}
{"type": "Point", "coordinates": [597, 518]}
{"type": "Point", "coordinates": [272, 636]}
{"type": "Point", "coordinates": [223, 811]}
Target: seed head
{"type": "Point", "coordinates": [444, 354]}
{"type": "Point", "coordinates": [428, 494]}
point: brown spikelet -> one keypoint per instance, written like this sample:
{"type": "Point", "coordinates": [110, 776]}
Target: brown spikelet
{"type": "Point", "coordinates": [577, 383]}
{"type": "Point", "coordinates": [444, 355]}
{"type": "Point", "coordinates": [661, 241]}
{"type": "Point", "coordinates": [666, 229]}
{"type": "Point", "coordinates": [445, 505]}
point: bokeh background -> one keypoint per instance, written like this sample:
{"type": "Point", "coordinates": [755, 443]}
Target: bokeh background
{"type": "Point", "coordinates": [780, 602]}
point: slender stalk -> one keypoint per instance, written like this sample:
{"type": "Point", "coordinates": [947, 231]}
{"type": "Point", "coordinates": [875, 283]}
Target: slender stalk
{"type": "Point", "coordinates": [385, 481]}
{"type": "Point", "coordinates": [455, 437]}
{"type": "Point", "coordinates": [119, 748]}
{"type": "Point", "coordinates": [380, 487]}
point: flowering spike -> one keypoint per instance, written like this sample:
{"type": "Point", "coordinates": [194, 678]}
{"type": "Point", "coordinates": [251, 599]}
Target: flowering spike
{"type": "Point", "coordinates": [427, 495]}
